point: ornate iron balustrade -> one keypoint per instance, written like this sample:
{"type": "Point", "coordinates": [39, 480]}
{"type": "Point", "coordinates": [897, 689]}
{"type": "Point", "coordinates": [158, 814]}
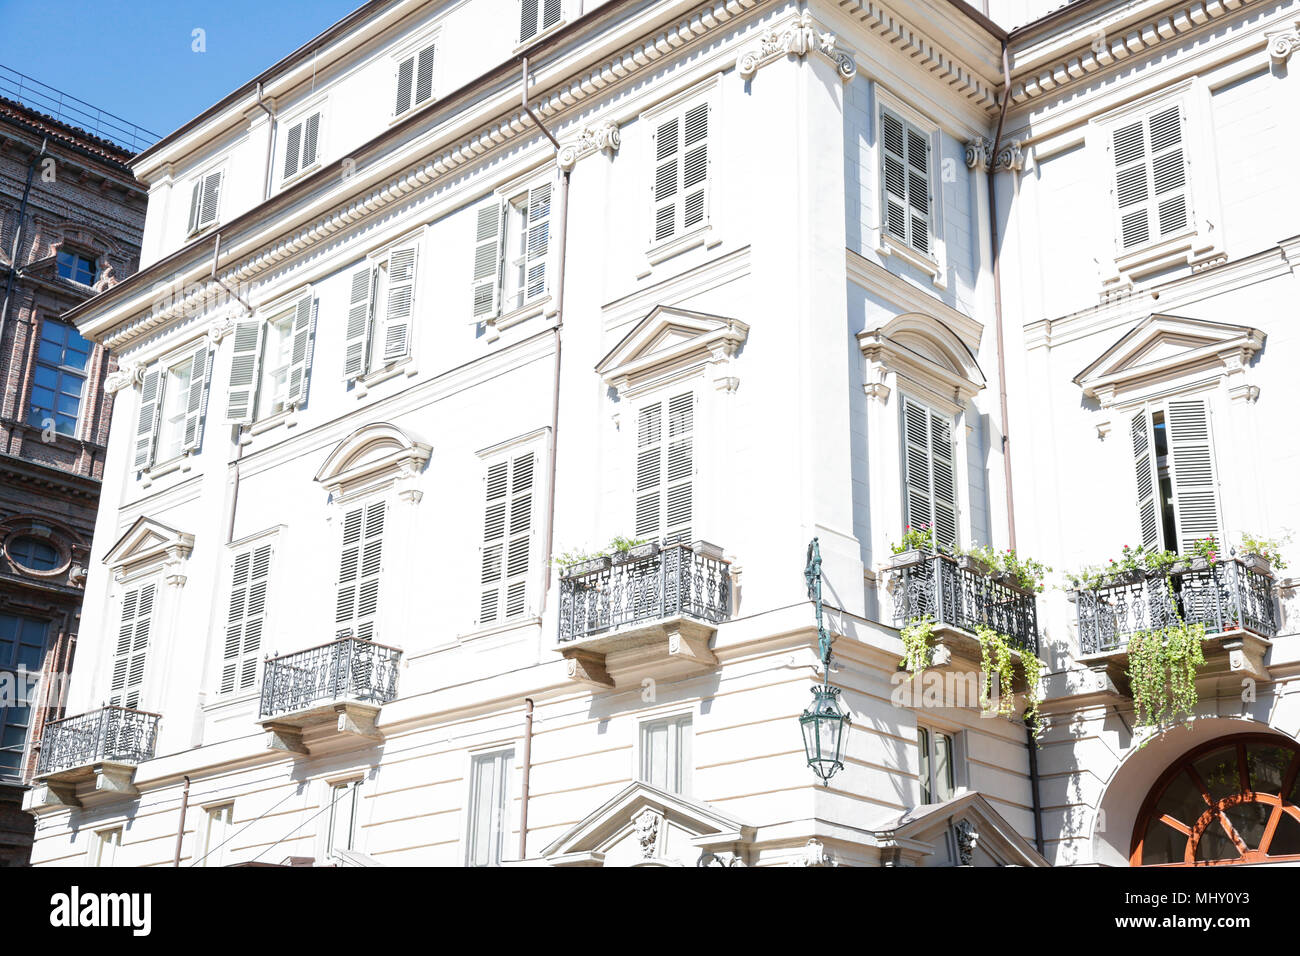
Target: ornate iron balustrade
{"type": "Point", "coordinates": [107, 735]}
{"type": "Point", "coordinates": [348, 669]}
{"type": "Point", "coordinates": [651, 583]}
{"type": "Point", "coordinates": [1224, 596]}
{"type": "Point", "coordinates": [958, 594]}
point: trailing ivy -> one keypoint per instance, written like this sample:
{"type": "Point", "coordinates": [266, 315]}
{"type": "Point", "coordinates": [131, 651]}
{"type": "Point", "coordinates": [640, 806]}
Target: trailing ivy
{"type": "Point", "coordinates": [997, 661]}
{"type": "Point", "coordinates": [917, 637]}
{"type": "Point", "coordinates": [1033, 669]}
{"type": "Point", "coordinates": [1162, 667]}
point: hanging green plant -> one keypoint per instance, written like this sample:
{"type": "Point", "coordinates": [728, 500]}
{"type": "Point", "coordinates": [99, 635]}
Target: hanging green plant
{"type": "Point", "coordinates": [917, 637]}
{"type": "Point", "coordinates": [997, 661]}
{"type": "Point", "coordinates": [1162, 668]}
{"type": "Point", "coordinates": [1033, 669]}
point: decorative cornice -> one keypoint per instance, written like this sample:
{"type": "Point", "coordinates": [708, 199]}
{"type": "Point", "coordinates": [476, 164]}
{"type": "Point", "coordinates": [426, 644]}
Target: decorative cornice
{"type": "Point", "coordinates": [1282, 43]}
{"type": "Point", "coordinates": [602, 137]}
{"type": "Point", "coordinates": [798, 38]}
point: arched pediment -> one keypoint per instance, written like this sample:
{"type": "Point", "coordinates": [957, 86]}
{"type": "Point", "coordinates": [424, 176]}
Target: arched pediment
{"type": "Point", "coordinates": [373, 453]}
{"type": "Point", "coordinates": [925, 351]}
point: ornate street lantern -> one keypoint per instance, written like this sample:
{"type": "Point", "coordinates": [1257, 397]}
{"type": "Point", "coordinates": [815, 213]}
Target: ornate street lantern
{"type": "Point", "coordinates": [824, 728]}
{"type": "Point", "coordinates": [824, 725]}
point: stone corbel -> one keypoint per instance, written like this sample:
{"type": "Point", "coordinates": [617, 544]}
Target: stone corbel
{"type": "Point", "coordinates": [603, 137]}
{"type": "Point", "coordinates": [721, 356]}
{"type": "Point", "coordinates": [1282, 43]}
{"type": "Point", "coordinates": [1244, 394]}
{"type": "Point", "coordinates": [801, 37]}
{"type": "Point", "coordinates": [978, 153]}
{"type": "Point", "coordinates": [877, 383]}
{"type": "Point", "coordinates": [405, 484]}
{"type": "Point", "coordinates": [126, 376]}
{"type": "Point", "coordinates": [220, 328]}
{"type": "Point", "coordinates": [1010, 157]}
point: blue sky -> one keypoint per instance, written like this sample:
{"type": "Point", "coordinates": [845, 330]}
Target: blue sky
{"type": "Point", "coordinates": [135, 59]}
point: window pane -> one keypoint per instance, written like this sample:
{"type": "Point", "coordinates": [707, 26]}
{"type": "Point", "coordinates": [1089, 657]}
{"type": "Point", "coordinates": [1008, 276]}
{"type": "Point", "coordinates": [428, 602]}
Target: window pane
{"type": "Point", "coordinates": [1266, 767]}
{"type": "Point", "coordinates": [1215, 845]}
{"type": "Point", "coordinates": [1162, 844]}
{"type": "Point", "coordinates": [923, 748]}
{"type": "Point", "coordinates": [943, 767]}
{"type": "Point", "coordinates": [47, 377]}
{"type": "Point", "coordinates": [1286, 838]}
{"type": "Point", "coordinates": [1219, 772]}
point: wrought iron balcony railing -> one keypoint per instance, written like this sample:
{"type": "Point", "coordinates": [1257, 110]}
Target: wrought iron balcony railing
{"type": "Point", "coordinates": [107, 735]}
{"type": "Point", "coordinates": [649, 583]}
{"type": "Point", "coordinates": [348, 669]}
{"type": "Point", "coordinates": [1224, 596]}
{"type": "Point", "coordinates": [959, 594]}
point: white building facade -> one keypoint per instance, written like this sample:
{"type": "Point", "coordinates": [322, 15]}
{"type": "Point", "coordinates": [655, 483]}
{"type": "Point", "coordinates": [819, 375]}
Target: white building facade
{"type": "Point", "coordinates": [718, 277]}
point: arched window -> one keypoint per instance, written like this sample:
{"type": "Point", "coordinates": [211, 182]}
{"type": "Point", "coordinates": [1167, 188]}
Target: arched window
{"type": "Point", "coordinates": [1233, 800]}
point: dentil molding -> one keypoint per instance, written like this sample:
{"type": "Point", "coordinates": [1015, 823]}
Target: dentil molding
{"type": "Point", "coordinates": [801, 37]}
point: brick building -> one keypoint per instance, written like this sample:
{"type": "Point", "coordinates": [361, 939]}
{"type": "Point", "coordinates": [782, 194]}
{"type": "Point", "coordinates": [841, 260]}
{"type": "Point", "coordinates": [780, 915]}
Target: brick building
{"type": "Point", "coordinates": [71, 216]}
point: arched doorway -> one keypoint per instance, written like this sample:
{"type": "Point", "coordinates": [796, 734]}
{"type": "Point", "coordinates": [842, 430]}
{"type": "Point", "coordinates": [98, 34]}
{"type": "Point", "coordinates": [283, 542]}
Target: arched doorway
{"type": "Point", "coordinates": [1231, 801]}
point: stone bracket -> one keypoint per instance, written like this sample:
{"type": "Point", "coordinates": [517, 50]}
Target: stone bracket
{"type": "Point", "coordinates": [687, 643]}
{"type": "Point", "coordinates": [1246, 656]}
{"type": "Point", "coordinates": [46, 797]}
{"type": "Point", "coordinates": [284, 738]}
{"type": "Point", "coordinates": [588, 667]}
{"type": "Point", "coordinates": [357, 721]}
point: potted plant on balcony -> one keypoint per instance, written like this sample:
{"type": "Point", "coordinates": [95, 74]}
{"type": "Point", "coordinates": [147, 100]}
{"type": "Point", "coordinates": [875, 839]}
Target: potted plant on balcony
{"type": "Point", "coordinates": [1262, 554]}
{"type": "Point", "coordinates": [576, 562]}
{"type": "Point", "coordinates": [916, 546]}
{"type": "Point", "coordinates": [1026, 574]}
{"type": "Point", "coordinates": [1205, 551]}
{"type": "Point", "coordinates": [982, 561]}
{"type": "Point", "coordinates": [623, 550]}
{"type": "Point", "coordinates": [1088, 578]}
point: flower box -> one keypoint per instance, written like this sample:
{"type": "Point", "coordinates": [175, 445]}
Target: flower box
{"type": "Point", "coordinates": [1255, 562]}
{"type": "Point", "coordinates": [638, 553]}
{"type": "Point", "coordinates": [907, 559]}
{"type": "Point", "coordinates": [587, 567]}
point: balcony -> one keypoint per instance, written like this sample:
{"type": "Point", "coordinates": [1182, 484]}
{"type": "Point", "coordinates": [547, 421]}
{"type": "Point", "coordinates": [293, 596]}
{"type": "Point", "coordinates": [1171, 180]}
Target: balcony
{"type": "Point", "coordinates": [959, 596]}
{"type": "Point", "coordinates": [344, 683]}
{"type": "Point", "coordinates": [1233, 598]}
{"type": "Point", "coordinates": [654, 605]}
{"type": "Point", "coordinates": [104, 746]}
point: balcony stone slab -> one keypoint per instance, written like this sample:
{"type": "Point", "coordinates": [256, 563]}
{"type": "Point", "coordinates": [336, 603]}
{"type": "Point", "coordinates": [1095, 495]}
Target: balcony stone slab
{"type": "Point", "coordinates": [680, 643]}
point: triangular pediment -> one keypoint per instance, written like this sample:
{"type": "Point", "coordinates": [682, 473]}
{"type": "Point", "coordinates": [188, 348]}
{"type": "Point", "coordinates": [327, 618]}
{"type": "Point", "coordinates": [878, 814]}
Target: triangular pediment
{"type": "Point", "coordinates": [147, 540]}
{"type": "Point", "coordinates": [668, 340]}
{"type": "Point", "coordinates": [1162, 347]}
{"type": "Point", "coordinates": [963, 831]}
{"type": "Point", "coordinates": [645, 826]}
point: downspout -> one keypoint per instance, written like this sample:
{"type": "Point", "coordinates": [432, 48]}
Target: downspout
{"type": "Point", "coordinates": [239, 445]}
{"type": "Point", "coordinates": [1031, 741]}
{"type": "Point", "coordinates": [180, 832]}
{"type": "Point", "coordinates": [18, 236]}
{"type": "Point", "coordinates": [270, 143]}
{"type": "Point", "coordinates": [555, 431]}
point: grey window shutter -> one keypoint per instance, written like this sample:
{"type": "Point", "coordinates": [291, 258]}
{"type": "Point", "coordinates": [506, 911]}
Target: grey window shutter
{"type": "Point", "coordinates": [916, 465]}
{"type": "Point", "coordinates": [1148, 485]}
{"type": "Point", "coordinates": [487, 261]}
{"type": "Point", "coordinates": [1168, 170]}
{"type": "Point", "coordinates": [893, 175]}
{"type": "Point", "coordinates": [944, 471]}
{"type": "Point", "coordinates": [400, 305]}
{"type": "Point", "coordinates": [649, 471]}
{"type": "Point", "coordinates": [241, 394]}
{"type": "Point", "coordinates": [930, 472]}
{"type": "Point", "coordinates": [304, 328]}
{"type": "Point", "coordinates": [495, 534]}
{"type": "Point", "coordinates": [196, 198]}
{"type": "Point", "coordinates": [211, 197]}
{"type": "Point", "coordinates": [405, 80]}
{"type": "Point", "coordinates": [424, 75]}
{"type": "Point", "coordinates": [357, 345]}
{"type": "Point", "coordinates": [918, 189]}
{"type": "Point", "coordinates": [550, 13]}
{"type": "Point", "coordinates": [130, 657]}
{"type": "Point", "coordinates": [695, 165]}
{"type": "Point", "coordinates": [528, 19]}
{"type": "Point", "coordinates": [1192, 472]}
{"type": "Point", "coordinates": [666, 187]}
{"type": "Point", "coordinates": [292, 149]}
{"type": "Point", "coordinates": [679, 469]}
{"type": "Point", "coordinates": [539, 238]}
{"type": "Point", "coordinates": [310, 139]}
{"type": "Point", "coordinates": [1149, 157]}
{"type": "Point", "coordinates": [196, 402]}
{"type": "Point", "coordinates": [147, 425]}
{"type": "Point", "coordinates": [245, 618]}
{"type": "Point", "coordinates": [360, 567]}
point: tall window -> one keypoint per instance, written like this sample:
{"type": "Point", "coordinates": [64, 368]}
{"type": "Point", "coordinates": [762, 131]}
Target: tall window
{"type": "Point", "coordinates": [344, 803]}
{"type": "Point", "coordinates": [380, 311]}
{"type": "Point", "coordinates": [666, 754]}
{"type": "Point", "coordinates": [271, 363]}
{"type": "Point", "coordinates": [929, 471]}
{"type": "Point", "coordinates": [175, 406]}
{"type": "Point", "coordinates": [300, 145]}
{"type": "Point", "coordinates": [22, 646]}
{"type": "Point", "coordinates": [665, 469]}
{"type": "Point", "coordinates": [680, 184]}
{"type": "Point", "coordinates": [245, 618]}
{"type": "Point", "coordinates": [360, 564]}
{"type": "Point", "coordinates": [938, 770]}
{"type": "Point", "coordinates": [60, 377]}
{"type": "Point", "coordinates": [905, 181]}
{"type": "Point", "coordinates": [173, 401]}
{"type": "Point", "coordinates": [536, 16]}
{"type": "Point", "coordinates": [414, 80]}
{"type": "Point", "coordinates": [489, 796]}
{"type": "Point", "coordinates": [1177, 479]}
{"type": "Point", "coordinates": [126, 682]}
{"type": "Point", "coordinates": [511, 247]}
{"type": "Point", "coordinates": [103, 849]}
{"type": "Point", "coordinates": [219, 827]}
{"type": "Point", "coordinates": [1152, 199]}
{"type": "Point", "coordinates": [205, 201]}
{"type": "Point", "coordinates": [80, 269]}
{"type": "Point", "coordinates": [507, 538]}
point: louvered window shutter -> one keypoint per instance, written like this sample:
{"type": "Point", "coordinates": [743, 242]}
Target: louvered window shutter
{"type": "Point", "coordinates": [292, 149]}
{"type": "Point", "coordinates": [400, 303]}
{"type": "Point", "coordinates": [536, 16]}
{"type": "Point", "coordinates": [507, 539]}
{"type": "Point", "coordinates": [304, 328]}
{"type": "Point", "coordinates": [930, 472]}
{"type": "Point", "coordinates": [487, 261]}
{"type": "Point", "coordinates": [539, 240]}
{"type": "Point", "coordinates": [405, 81]}
{"type": "Point", "coordinates": [197, 401]}
{"type": "Point", "coordinates": [905, 181]}
{"type": "Point", "coordinates": [1144, 464]}
{"type": "Point", "coordinates": [1151, 190]}
{"type": "Point", "coordinates": [245, 617]}
{"type": "Point", "coordinates": [414, 80]}
{"type": "Point", "coordinates": [357, 346]}
{"type": "Point", "coordinates": [665, 469]}
{"type": "Point", "coordinates": [147, 426]}
{"type": "Point", "coordinates": [360, 566]}
{"type": "Point", "coordinates": [204, 200]}
{"type": "Point", "coordinates": [241, 394]}
{"type": "Point", "coordinates": [310, 139]}
{"type": "Point", "coordinates": [489, 796]}
{"type": "Point", "coordinates": [196, 202]}
{"type": "Point", "coordinates": [681, 176]}
{"type": "Point", "coordinates": [131, 653]}
{"type": "Point", "coordinates": [1192, 472]}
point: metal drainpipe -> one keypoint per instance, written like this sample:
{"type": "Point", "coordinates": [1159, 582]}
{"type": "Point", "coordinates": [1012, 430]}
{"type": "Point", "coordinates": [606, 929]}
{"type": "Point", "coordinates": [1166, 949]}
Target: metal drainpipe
{"type": "Point", "coordinates": [555, 432]}
{"type": "Point", "coordinates": [18, 236]}
{"type": "Point", "coordinates": [180, 832]}
{"type": "Point", "coordinates": [270, 145]}
{"type": "Point", "coordinates": [1030, 742]}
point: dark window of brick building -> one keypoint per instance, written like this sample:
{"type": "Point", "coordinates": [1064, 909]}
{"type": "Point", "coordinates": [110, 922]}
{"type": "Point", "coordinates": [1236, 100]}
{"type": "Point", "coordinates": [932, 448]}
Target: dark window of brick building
{"type": "Point", "coordinates": [77, 268]}
{"type": "Point", "coordinates": [22, 643]}
{"type": "Point", "coordinates": [60, 377]}
{"type": "Point", "coordinates": [33, 553]}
